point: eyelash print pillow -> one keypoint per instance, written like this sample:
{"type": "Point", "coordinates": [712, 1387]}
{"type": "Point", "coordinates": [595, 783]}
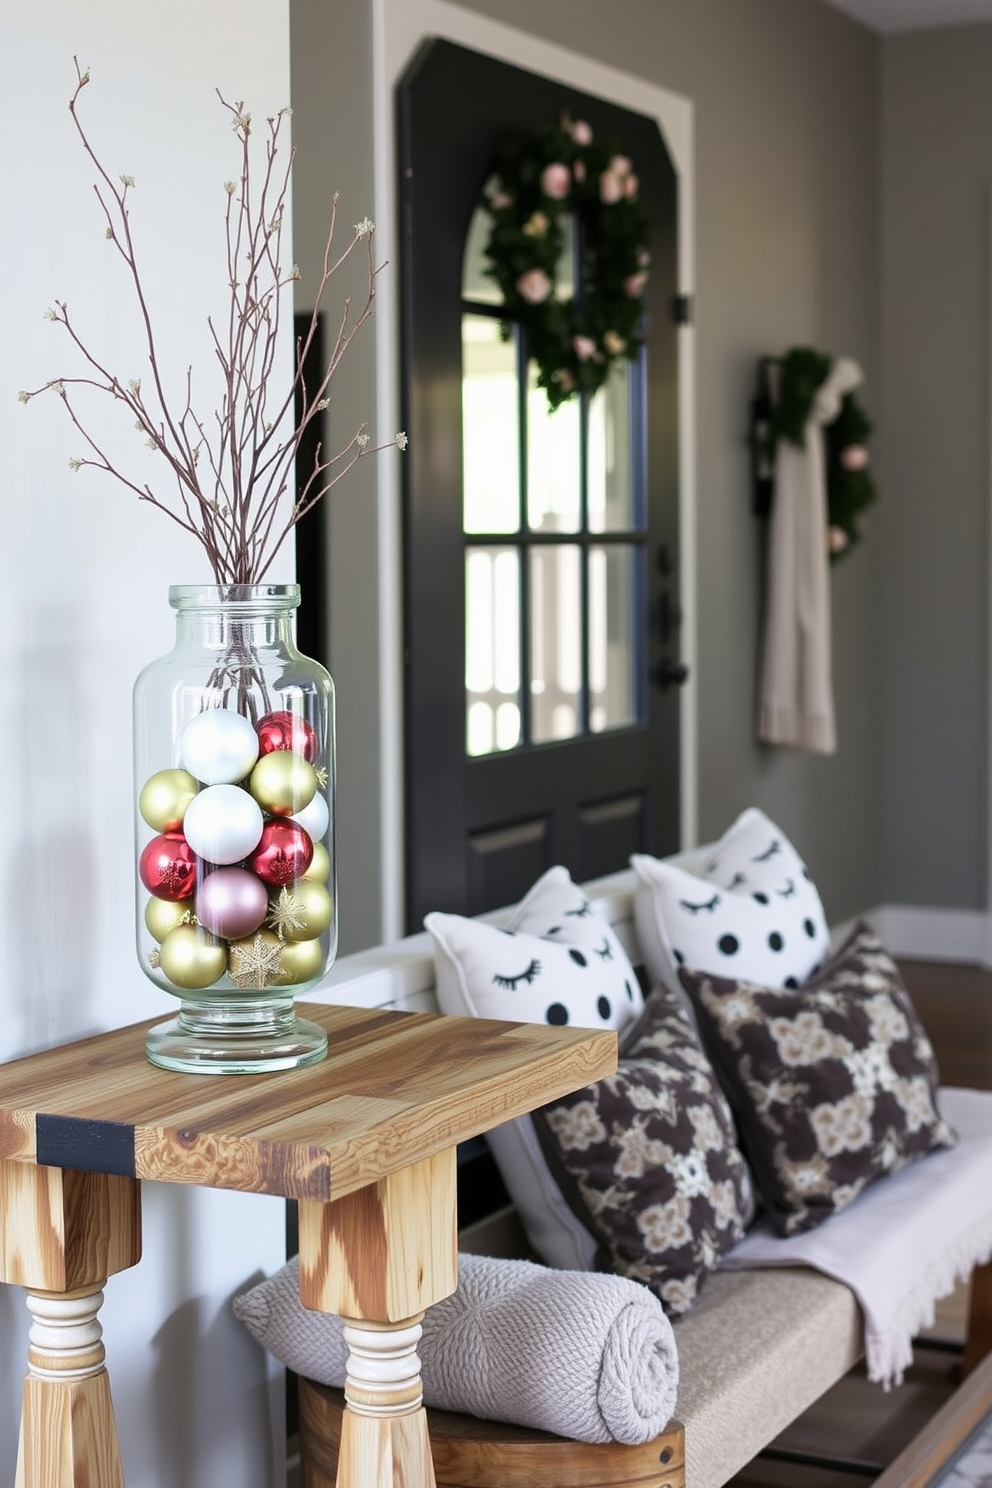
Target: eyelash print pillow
{"type": "Point", "coordinates": [751, 913]}
{"type": "Point", "coordinates": [558, 962]}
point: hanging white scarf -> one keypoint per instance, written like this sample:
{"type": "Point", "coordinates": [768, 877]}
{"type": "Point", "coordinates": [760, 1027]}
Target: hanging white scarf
{"type": "Point", "coordinates": [797, 703]}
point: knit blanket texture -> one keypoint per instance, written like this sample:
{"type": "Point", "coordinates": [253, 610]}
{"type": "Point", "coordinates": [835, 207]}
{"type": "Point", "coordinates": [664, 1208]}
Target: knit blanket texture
{"type": "Point", "coordinates": [581, 1354]}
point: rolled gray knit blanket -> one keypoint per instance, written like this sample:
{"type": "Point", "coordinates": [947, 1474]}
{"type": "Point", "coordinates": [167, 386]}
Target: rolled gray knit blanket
{"type": "Point", "coordinates": [581, 1354]}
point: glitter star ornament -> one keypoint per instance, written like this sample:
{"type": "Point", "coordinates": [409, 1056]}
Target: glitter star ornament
{"type": "Point", "coordinates": [256, 962]}
{"type": "Point", "coordinates": [286, 913]}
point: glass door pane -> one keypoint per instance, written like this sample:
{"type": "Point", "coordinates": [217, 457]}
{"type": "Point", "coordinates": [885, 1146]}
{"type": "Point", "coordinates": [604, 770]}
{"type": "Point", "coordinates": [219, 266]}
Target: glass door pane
{"type": "Point", "coordinates": [613, 635]}
{"type": "Point", "coordinates": [555, 642]}
{"type": "Point", "coordinates": [614, 504]}
{"type": "Point", "coordinates": [493, 710]}
{"type": "Point", "coordinates": [554, 462]}
{"type": "Point", "coordinates": [490, 428]}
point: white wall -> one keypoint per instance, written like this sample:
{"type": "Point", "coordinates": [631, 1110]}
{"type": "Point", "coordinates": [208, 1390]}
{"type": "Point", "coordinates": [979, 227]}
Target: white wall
{"type": "Point", "coordinates": [84, 571]}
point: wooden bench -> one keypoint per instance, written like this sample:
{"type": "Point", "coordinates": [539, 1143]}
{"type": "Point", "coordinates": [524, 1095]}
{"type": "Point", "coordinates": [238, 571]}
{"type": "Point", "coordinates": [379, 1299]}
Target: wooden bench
{"type": "Point", "coordinates": [756, 1350]}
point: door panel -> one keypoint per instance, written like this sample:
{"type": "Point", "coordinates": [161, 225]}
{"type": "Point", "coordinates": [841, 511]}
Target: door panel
{"type": "Point", "coordinates": [599, 774]}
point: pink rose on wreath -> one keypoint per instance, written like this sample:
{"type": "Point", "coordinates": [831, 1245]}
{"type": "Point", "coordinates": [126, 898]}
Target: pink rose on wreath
{"type": "Point", "coordinates": [634, 284]}
{"type": "Point", "coordinates": [564, 379]}
{"type": "Point", "coordinates": [643, 258]}
{"type": "Point", "coordinates": [620, 165]}
{"type": "Point", "coordinates": [502, 199]}
{"type": "Point", "coordinates": [614, 343]}
{"type": "Point", "coordinates": [611, 188]}
{"type": "Point", "coordinates": [855, 457]}
{"type": "Point", "coordinates": [584, 348]}
{"type": "Point", "coordinates": [581, 132]}
{"type": "Point", "coordinates": [556, 180]}
{"type": "Point", "coordinates": [837, 539]}
{"type": "Point", "coordinates": [579, 171]}
{"type": "Point", "coordinates": [534, 286]}
{"type": "Point", "coordinates": [630, 187]}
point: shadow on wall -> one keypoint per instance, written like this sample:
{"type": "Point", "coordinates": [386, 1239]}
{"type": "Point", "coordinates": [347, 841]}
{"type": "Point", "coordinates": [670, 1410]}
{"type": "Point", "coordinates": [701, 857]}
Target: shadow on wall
{"type": "Point", "coordinates": [50, 888]}
{"type": "Point", "coordinates": [14, 1324]}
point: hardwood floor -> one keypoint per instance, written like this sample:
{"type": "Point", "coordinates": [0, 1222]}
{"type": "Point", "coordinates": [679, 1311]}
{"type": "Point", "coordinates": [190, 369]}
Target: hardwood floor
{"type": "Point", "coordinates": [954, 1003]}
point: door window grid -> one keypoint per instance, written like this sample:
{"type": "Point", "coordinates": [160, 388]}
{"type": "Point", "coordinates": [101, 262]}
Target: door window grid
{"type": "Point", "coordinates": [572, 607]}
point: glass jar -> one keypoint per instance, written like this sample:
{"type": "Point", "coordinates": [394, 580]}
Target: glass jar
{"type": "Point", "coordinates": [234, 784]}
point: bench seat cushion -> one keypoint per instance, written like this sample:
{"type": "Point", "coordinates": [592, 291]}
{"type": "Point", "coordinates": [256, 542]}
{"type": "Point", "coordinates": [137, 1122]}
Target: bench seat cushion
{"type": "Point", "coordinates": [757, 1349]}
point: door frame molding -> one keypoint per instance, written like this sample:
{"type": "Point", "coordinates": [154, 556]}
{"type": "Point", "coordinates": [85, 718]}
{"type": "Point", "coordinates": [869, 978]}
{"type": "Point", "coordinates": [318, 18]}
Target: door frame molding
{"type": "Point", "coordinates": [398, 28]}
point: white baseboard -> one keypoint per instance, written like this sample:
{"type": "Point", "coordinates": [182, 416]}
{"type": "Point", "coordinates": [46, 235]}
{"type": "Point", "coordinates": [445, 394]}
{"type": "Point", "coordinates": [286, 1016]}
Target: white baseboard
{"type": "Point", "coordinates": [922, 934]}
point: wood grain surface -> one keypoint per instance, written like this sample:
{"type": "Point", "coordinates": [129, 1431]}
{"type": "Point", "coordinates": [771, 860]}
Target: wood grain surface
{"type": "Point", "coordinates": [472, 1453]}
{"type": "Point", "coordinates": [387, 1251]}
{"type": "Point", "coordinates": [395, 1089]}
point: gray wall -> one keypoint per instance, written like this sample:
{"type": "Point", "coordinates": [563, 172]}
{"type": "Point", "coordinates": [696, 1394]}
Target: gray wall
{"type": "Point", "coordinates": [331, 51]}
{"type": "Point", "coordinates": [936, 130]}
{"type": "Point", "coordinates": [785, 95]}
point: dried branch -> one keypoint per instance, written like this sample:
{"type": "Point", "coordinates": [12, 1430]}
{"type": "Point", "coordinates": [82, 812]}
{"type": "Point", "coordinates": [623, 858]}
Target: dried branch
{"type": "Point", "coordinates": [231, 471]}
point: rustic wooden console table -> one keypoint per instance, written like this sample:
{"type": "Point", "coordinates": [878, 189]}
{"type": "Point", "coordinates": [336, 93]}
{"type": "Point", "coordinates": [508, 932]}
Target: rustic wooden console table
{"type": "Point", "coordinates": [365, 1141]}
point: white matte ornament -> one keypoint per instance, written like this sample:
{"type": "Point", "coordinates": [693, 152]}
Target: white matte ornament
{"type": "Point", "coordinates": [223, 824]}
{"type": "Point", "coordinates": [219, 747]}
{"type": "Point", "coordinates": [315, 818]}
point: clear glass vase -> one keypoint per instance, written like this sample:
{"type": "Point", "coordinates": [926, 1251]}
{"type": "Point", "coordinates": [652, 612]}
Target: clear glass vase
{"type": "Point", "coordinates": [234, 784]}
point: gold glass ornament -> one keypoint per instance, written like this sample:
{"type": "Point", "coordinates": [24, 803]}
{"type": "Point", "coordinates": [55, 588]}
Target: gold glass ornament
{"type": "Point", "coordinates": [320, 864]}
{"type": "Point", "coordinates": [162, 916]}
{"type": "Point", "coordinates": [301, 961]}
{"type": "Point", "coordinates": [302, 911]}
{"type": "Point", "coordinates": [165, 797]}
{"type": "Point", "coordinates": [191, 958]}
{"type": "Point", "coordinates": [283, 783]}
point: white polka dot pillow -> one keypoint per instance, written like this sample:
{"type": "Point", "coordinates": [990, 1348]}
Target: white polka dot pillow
{"type": "Point", "coordinates": [751, 913]}
{"type": "Point", "coordinates": [557, 962]}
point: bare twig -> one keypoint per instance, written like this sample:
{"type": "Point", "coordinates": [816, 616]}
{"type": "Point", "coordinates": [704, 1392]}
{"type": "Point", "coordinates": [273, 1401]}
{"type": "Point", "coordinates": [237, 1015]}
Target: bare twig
{"type": "Point", "coordinates": [231, 471]}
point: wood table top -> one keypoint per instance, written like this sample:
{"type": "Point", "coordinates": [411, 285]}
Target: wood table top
{"type": "Point", "coordinates": [394, 1089]}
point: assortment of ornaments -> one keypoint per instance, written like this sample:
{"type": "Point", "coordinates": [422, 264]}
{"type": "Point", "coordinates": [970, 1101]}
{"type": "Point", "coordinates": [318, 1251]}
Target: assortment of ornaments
{"type": "Point", "coordinates": [237, 870]}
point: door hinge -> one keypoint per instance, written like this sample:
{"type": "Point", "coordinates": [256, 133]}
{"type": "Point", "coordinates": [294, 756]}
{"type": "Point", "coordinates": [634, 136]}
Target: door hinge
{"type": "Point", "coordinates": [683, 309]}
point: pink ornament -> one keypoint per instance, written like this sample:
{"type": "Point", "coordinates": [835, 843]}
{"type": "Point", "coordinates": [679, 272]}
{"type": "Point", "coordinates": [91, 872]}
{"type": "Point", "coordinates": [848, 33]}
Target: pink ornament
{"type": "Point", "coordinates": [232, 903]}
{"type": "Point", "coordinates": [284, 853]}
{"type": "Point", "coordinates": [564, 379]}
{"type": "Point", "coordinates": [837, 539]}
{"type": "Point", "coordinates": [610, 188]}
{"type": "Point", "coordinates": [584, 347]}
{"type": "Point", "coordinates": [634, 284]}
{"type": "Point", "coordinates": [854, 457]}
{"type": "Point", "coordinates": [287, 731]}
{"type": "Point", "coordinates": [168, 867]}
{"type": "Point", "coordinates": [556, 180]}
{"type": "Point", "coordinates": [581, 132]}
{"type": "Point", "coordinates": [534, 286]}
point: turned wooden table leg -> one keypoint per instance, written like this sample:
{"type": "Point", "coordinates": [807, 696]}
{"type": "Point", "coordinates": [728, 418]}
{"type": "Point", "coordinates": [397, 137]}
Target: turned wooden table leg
{"type": "Point", "coordinates": [62, 1233]}
{"type": "Point", "coordinates": [379, 1257]}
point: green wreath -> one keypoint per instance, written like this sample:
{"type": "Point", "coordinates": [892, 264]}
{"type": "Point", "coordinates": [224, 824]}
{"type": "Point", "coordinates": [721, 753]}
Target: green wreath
{"type": "Point", "coordinates": [540, 179]}
{"type": "Point", "coordinates": [850, 488]}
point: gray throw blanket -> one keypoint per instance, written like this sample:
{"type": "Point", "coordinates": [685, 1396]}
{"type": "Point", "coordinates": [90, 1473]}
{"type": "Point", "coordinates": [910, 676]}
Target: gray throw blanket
{"type": "Point", "coordinates": [584, 1355]}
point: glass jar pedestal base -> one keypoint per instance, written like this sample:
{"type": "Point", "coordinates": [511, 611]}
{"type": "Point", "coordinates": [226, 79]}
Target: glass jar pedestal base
{"type": "Point", "coordinates": [236, 1038]}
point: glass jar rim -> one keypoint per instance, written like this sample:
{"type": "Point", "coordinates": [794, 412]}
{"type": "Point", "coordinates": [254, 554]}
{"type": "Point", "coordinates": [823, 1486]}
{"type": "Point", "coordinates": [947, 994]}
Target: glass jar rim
{"type": "Point", "coordinates": [234, 596]}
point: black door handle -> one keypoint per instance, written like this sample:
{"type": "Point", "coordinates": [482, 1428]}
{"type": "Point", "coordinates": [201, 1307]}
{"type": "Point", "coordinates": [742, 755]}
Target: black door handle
{"type": "Point", "coordinates": [669, 673]}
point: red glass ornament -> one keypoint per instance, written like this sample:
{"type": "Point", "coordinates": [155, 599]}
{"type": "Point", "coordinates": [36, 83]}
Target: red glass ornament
{"type": "Point", "coordinates": [283, 855]}
{"type": "Point", "coordinates": [287, 731]}
{"type": "Point", "coordinates": [168, 867]}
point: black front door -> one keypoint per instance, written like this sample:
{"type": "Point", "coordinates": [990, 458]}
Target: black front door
{"type": "Point", "coordinates": [541, 553]}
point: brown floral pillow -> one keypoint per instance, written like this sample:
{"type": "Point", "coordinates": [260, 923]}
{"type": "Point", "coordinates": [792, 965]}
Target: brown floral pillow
{"type": "Point", "coordinates": [834, 1083]}
{"type": "Point", "coordinates": [648, 1158]}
